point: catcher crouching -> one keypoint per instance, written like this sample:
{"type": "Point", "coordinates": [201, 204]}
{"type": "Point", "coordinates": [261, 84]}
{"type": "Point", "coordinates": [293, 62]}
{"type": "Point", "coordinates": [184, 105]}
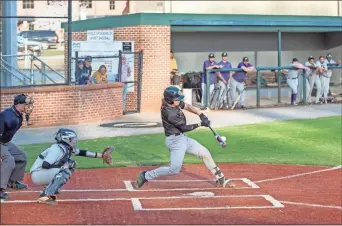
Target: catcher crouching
{"type": "Point", "coordinates": [54, 166]}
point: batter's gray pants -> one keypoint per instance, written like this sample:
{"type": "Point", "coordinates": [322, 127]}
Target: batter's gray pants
{"type": "Point", "coordinates": [314, 79]}
{"type": "Point", "coordinates": [237, 86]}
{"type": "Point", "coordinates": [44, 176]}
{"type": "Point", "coordinates": [178, 146]}
{"type": "Point", "coordinates": [301, 79]}
{"type": "Point", "coordinates": [204, 93]}
{"type": "Point", "coordinates": [13, 164]}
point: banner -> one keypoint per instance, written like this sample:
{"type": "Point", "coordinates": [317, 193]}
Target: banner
{"type": "Point", "coordinates": [107, 50]}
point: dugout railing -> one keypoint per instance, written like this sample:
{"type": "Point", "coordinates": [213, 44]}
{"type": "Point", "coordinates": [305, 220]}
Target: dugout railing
{"type": "Point", "coordinates": [259, 79]}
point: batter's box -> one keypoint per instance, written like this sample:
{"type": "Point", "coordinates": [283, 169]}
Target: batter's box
{"type": "Point", "coordinates": [175, 203]}
{"type": "Point", "coordinates": [188, 185]}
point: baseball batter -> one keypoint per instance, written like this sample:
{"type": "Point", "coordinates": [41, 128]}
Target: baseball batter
{"type": "Point", "coordinates": [314, 79]}
{"type": "Point", "coordinates": [292, 79]}
{"type": "Point", "coordinates": [13, 160]}
{"type": "Point", "coordinates": [174, 123]}
{"type": "Point", "coordinates": [54, 166]}
{"type": "Point", "coordinates": [323, 75]}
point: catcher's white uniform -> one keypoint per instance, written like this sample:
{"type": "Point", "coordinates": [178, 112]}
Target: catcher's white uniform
{"type": "Point", "coordinates": [57, 155]}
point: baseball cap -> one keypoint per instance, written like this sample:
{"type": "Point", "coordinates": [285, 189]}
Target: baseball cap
{"type": "Point", "coordinates": [245, 59]}
{"type": "Point", "coordinates": [88, 58]}
{"type": "Point", "coordinates": [294, 60]}
{"type": "Point", "coordinates": [211, 55]}
{"type": "Point", "coordinates": [329, 56]}
{"type": "Point", "coordinates": [80, 61]}
{"type": "Point", "coordinates": [224, 54]}
{"type": "Point", "coordinates": [311, 57]}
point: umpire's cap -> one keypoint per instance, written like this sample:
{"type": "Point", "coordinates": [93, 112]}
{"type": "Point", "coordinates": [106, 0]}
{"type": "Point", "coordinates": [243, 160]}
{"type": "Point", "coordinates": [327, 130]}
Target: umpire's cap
{"type": "Point", "coordinates": [20, 99]}
{"type": "Point", "coordinates": [211, 55]}
{"type": "Point", "coordinates": [224, 54]}
{"type": "Point", "coordinates": [173, 93]}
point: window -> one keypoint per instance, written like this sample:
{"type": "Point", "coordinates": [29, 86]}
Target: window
{"type": "Point", "coordinates": [87, 3]}
{"type": "Point", "coordinates": [112, 5]}
{"type": "Point", "coordinates": [28, 4]}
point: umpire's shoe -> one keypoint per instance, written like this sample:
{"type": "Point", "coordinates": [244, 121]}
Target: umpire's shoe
{"type": "Point", "coordinates": [225, 183]}
{"type": "Point", "coordinates": [16, 185]}
{"type": "Point", "coordinates": [141, 180]}
{"type": "Point", "coordinates": [3, 195]}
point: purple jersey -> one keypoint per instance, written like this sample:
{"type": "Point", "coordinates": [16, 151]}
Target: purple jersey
{"type": "Point", "coordinates": [240, 76]}
{"type": "Point", "coordinates": [206, 64]}
{"type": "Point", "coordinates": [225, 74]}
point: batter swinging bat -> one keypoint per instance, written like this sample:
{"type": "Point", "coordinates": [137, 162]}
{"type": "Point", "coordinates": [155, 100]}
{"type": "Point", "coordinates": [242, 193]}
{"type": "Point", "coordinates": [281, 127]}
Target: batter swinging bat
{"type": "Point", "coordinates": [237, 99]}
{"type": "Point", "coordinates": [220, 139]}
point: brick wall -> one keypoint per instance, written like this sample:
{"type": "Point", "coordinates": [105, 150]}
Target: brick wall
{"type": "Point", "coordinates": [155, 43]}
{"type": "Point", "coordinates": [65, 105]}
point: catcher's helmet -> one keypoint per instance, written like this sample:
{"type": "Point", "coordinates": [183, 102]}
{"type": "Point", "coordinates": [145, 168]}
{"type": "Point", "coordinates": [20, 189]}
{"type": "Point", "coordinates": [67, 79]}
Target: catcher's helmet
{"type": "Point", "coordinates": [67, 136]}
{"type": "Point", "coordinates": [173, 93]}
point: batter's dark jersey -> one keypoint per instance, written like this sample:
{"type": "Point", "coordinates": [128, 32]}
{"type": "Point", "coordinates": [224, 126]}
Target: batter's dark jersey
{"type": "Point", "coordinates": [174, 121]}
{"type": "Point", "coordinates": [10, 122]}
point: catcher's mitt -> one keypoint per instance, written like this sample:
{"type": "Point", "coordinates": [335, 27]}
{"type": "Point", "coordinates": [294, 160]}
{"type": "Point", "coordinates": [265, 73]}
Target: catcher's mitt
{"type": "Point", "coordinates": [107, 155]}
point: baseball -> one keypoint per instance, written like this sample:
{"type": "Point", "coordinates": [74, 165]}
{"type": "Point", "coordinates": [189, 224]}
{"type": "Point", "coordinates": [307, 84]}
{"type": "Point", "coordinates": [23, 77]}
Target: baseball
{"type": "Point", "coordinates": [223, 138]}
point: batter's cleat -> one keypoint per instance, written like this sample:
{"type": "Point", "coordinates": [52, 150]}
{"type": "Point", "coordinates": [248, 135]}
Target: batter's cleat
{"type": "Point", "coordinates": [3, 195]}
{"type": "Point", "coordinates": [16, 185]}
{"type": "Point", "coordinates": [225, 183]}
{"type": "Point", "coordinates": [47, 199]}
{"type": "Point", "coordinates": [141, 180]}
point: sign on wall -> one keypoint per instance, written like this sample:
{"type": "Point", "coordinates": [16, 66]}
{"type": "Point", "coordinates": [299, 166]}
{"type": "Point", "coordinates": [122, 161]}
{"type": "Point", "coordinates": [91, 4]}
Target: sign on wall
{"type": "Point", "coordinates": [107, 50]}
{"type": "Point", "coordinates": [100, 35]}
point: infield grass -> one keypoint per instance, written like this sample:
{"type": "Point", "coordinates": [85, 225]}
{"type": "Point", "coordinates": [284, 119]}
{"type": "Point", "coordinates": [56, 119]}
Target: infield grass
{"type": "Point", "coordinates": [308, 142]}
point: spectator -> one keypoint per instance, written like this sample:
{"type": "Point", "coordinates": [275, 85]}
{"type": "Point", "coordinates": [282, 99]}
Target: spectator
{"type": "Point", "coordinates": [87, 65]}
{"type": "Point", "coordinates": [81, 76]}
{"type": "Point", "coordinates": [323, 76]}
{"type": "Point", "coordinates": [208, 65]}
{"type": "Point", "coordinates": [174, 75]}
{"type": "Point", "coordinates": [100, 77]}
{"type": "Point", "coordinates": [125, 69]}
{"type": "Point", "coordinates": [237, 82]}
{"type": "Point", "coordinates": [314, 79]}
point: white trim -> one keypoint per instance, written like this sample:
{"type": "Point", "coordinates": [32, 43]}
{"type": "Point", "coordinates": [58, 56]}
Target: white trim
{"type": "Point", "coordinates": [136, 204]}
{"type": "Point", "coordinates": [300, 174]}
{"type": "Point", "coordinates": [312, 205]}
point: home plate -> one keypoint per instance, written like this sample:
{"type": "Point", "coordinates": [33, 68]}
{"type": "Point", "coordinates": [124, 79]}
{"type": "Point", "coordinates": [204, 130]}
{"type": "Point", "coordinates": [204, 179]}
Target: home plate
{"type": "Point", "coordinates": [201, 194]}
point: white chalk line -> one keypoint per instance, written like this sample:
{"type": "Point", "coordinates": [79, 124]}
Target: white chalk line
{"type": "Point", "coordinates": [71, 190]}
{"type": "Point", "coordinates": [312, 205]}
{"type": "Point", "coordinates": [298, 175]}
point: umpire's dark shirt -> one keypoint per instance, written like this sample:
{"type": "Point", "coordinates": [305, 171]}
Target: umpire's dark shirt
{"type": "Point", "coordinates": [10, 122]}
{"type": "Point", "coordinates": [174, 121]}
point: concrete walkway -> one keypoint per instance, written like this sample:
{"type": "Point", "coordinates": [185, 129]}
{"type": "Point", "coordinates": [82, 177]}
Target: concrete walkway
{"type": "Point", "coordinates": [218, 119]}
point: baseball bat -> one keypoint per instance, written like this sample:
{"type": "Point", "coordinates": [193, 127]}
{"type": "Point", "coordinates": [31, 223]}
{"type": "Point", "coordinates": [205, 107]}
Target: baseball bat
{"type": "Point", "coordinates": [237, 99]}
{"type": "Point", "coordinates": [221, 140]}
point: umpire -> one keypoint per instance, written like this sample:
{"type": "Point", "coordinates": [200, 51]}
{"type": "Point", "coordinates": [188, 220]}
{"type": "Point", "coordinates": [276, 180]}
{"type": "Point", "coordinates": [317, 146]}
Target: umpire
{"type": "Point", "coordinates": [13, 160]}
{"type": "Point", "coordinates": [178, 143]}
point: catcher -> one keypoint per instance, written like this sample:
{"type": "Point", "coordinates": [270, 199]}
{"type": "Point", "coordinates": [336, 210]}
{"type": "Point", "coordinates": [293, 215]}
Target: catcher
{"type": "Point", "coordinates": [54, 166]}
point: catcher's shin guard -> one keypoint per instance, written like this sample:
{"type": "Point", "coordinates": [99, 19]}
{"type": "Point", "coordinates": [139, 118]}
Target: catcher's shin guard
{"type": "Point", "coordinates": [57, 182]}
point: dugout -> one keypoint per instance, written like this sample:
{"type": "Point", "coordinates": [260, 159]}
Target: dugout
{"type": "Point", "coordinates": [266, 40]}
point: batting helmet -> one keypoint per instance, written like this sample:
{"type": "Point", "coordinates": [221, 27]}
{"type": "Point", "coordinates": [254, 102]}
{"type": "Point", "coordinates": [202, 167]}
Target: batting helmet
{"type": "Point", "coordinates": [173, 93]}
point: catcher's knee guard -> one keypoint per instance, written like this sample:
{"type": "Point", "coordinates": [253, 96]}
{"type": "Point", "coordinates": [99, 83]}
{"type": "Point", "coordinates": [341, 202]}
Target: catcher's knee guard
{"type": "Point", "coordinates": [57, 182]}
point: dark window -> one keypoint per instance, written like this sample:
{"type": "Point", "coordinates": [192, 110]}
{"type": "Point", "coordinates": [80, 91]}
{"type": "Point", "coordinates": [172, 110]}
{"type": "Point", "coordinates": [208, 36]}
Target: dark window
{"type": "Point", "coordinates": [112, 5]}
{"type": "Point", "coordinates": [28, 4]}
{"type": "Point", "coordinates": [87, 3]}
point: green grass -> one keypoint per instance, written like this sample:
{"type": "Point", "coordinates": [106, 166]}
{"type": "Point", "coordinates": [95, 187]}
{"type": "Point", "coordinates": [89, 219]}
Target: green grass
{"type": "Point", "coordinates": [308, 142]}
{"type": "Point", "coordinates": [52, 52]}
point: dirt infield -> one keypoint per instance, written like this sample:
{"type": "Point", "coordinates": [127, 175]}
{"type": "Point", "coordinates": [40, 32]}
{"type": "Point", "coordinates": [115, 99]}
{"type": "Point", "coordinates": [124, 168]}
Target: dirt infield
{"type": "Point", "coordinates": [265, 194]}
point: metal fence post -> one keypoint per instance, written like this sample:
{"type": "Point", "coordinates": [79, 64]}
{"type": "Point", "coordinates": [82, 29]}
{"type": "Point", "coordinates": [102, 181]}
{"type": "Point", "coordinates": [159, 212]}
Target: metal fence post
{"type": "Point", "coordinates": [258, 89]}
{"type": "Point", "coordinates": [279, 65]}
{"type": "Point", "coordinates": [119, 66]}
{"type": "Point", "coordinates": [140, 63]}
{"type": "Point", "coordinates": [304, 87]}
{"type": "Point", "coordinates": [207, 87]}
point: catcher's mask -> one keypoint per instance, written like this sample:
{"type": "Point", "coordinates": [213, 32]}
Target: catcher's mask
{"type": "Point", "coordinates": [25, 101]}
{"type": "Point", "coordinates": [67, 136]}
{"type": "Point", "coordinates": [173, 93]}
